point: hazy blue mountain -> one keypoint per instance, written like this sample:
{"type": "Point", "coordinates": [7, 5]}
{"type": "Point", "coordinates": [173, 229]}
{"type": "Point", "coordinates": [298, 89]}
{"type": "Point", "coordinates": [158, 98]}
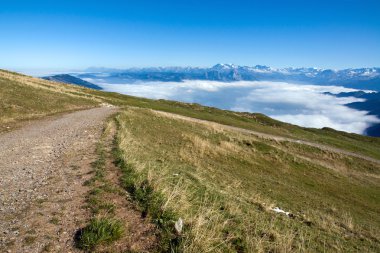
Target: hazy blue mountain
{"type": "Point", "coordinates": [362, 78]}
{"type": "Point", "coordinates": [69, 79]}
{"type": "Point", "coordinates": [370, 104]}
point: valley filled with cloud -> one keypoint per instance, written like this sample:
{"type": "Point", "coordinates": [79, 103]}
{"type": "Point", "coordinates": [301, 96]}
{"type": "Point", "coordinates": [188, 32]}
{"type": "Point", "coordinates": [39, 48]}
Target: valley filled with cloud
{"type": "Point", "coordinates": [303, 105]}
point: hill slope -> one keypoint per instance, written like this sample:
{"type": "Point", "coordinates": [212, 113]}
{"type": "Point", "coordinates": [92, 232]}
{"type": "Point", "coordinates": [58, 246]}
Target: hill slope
{"type": "Point", "coordinates": [69, 79]}
{"type": "Point", "coordinates": [23, 97]}
{"type": "Point", "coordinates": [224, 183]}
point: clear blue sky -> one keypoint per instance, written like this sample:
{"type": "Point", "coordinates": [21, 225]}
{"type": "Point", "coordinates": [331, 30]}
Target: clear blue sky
{"type": "Point", "coordinates": [77, 34]}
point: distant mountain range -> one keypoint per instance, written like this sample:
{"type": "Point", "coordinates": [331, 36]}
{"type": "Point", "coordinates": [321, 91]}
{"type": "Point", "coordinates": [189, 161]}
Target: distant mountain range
{"type": "Point", "coordinates": [69, 79]}
{"type": "Point", "coordinates": [362, 78]}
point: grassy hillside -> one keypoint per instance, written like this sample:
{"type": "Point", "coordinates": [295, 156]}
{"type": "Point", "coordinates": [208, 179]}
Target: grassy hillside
{"type": "Point", "coordinates": [224, 183]}
{"type": "Point", "coordinates": [23, 97]}
{"type": "Point", "coordinates": [253, 121]}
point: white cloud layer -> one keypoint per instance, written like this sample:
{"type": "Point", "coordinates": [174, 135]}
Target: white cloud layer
{"type": "Point", "coordinates": [304, 105]}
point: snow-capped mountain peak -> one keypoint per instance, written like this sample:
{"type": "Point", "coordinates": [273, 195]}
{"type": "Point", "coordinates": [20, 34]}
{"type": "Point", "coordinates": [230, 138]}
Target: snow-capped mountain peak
{"type": "Point", "coordinates": [224, 66]}
{"type": "Point", "coordinates": [363, 78]}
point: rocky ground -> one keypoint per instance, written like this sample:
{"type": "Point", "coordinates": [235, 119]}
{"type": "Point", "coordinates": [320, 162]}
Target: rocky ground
{"type": "Point", "coordinates": [43, 166]}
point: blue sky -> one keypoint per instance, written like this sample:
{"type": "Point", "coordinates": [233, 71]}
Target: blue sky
{"type": "Point", "coordinates": [78, 34]}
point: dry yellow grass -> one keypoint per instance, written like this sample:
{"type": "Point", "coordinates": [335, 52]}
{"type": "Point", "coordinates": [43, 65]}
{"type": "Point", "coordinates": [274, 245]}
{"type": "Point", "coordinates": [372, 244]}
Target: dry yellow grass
{"type": "Point", "coordinates": [23, 98]}
{"type": "Point", "coordinates": [224, 184]}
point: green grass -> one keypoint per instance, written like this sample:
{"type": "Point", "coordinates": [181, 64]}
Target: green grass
{"type": "Point", "coordinates": [23, 98]}
{"type": "Point", "coordinates": [151, 204]}
{"type": "Point", "coordinates": [99, 231]}
{"type": "Point", "coordinates": [54, 221]}
{"type": "Point", "coordinates": [223, 184]}
{"type": "Point", "coordinates": [103, 228]}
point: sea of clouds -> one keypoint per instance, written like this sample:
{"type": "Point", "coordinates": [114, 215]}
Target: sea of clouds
{"type": "Point", "coordinates": [303, 105]}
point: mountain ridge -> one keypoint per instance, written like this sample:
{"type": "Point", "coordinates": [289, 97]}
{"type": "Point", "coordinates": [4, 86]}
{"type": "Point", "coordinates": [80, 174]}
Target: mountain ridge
{"type": "Point", "coordinates": [359, 78]}
{"type": "Point", "coordinates": [69, 79]}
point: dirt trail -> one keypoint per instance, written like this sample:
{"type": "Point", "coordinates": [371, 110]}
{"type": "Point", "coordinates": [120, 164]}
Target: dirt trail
{"type": "Point", "coordinates": [273, 137]}
{"type": "Point", "coordinates": [43, 166]}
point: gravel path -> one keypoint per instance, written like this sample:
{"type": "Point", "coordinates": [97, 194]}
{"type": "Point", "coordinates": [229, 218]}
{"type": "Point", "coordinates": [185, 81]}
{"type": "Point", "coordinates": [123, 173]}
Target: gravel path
{"type": "Point", "coordinates": [43, 167]}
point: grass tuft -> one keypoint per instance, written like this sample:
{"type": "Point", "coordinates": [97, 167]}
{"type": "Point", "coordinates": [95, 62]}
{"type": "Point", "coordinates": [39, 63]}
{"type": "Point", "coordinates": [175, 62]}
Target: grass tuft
{"type": "Point", "coordinates": [99, 231]}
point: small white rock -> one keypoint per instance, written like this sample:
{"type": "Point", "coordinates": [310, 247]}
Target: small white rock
{"type": "Point", "coordinates": [178, 225]}
{"type": "Point", "coordinates": [278, 210]}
